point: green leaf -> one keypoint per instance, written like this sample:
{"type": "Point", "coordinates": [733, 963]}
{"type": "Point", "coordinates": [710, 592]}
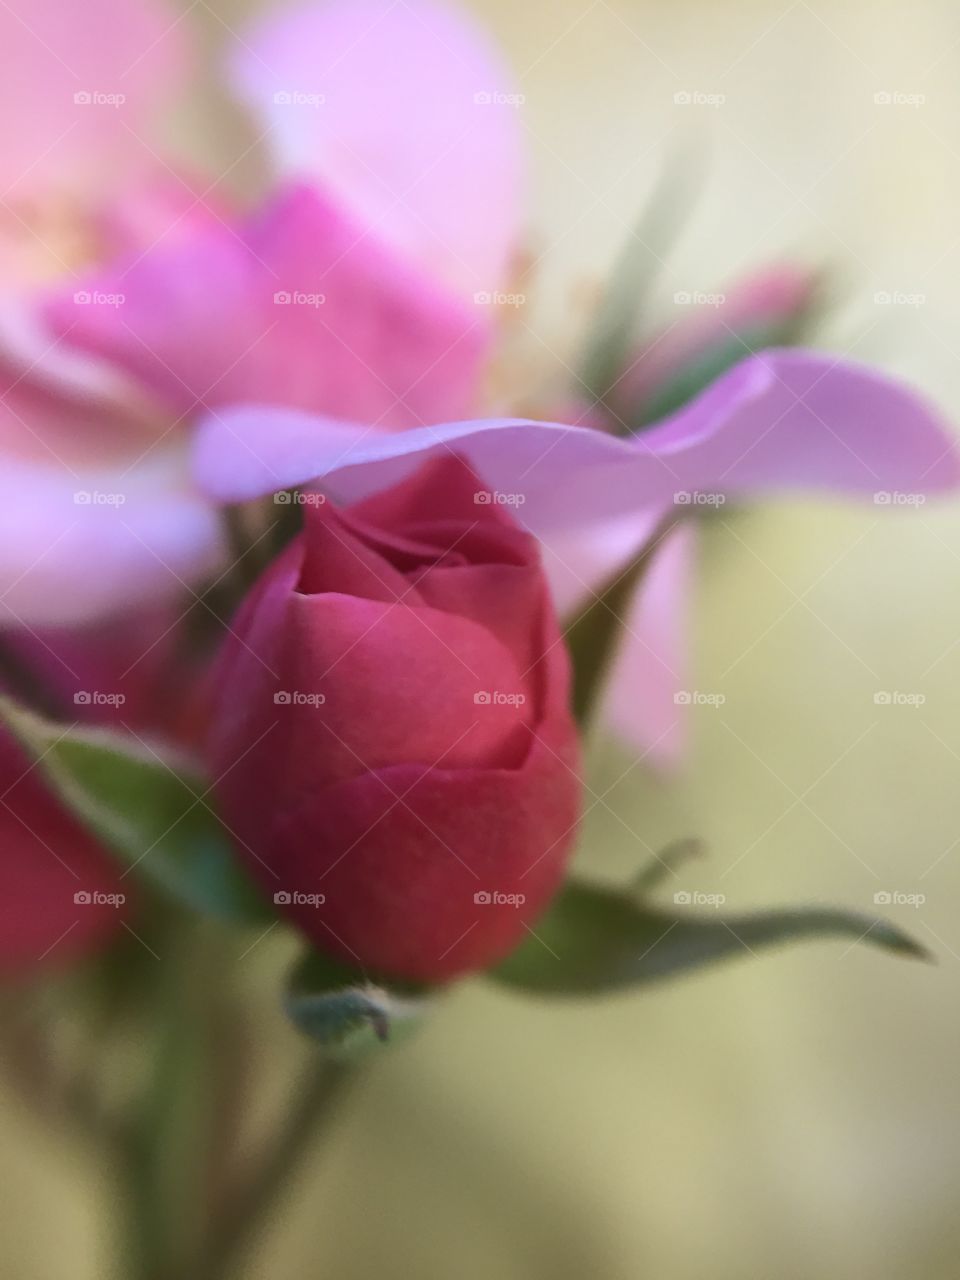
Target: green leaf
{"type": "Point", "coordinates": [347, 1013]}
{"type": "Point", "coordinates": [596, 939]}
{"type": "Point", "coordinates": [148, 809]}
{"type": "Point", "coordinates": [614, 330]}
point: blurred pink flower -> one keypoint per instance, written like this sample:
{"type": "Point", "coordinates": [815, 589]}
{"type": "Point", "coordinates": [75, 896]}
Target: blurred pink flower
{"type": "Point", "coordinates": [138, 298]}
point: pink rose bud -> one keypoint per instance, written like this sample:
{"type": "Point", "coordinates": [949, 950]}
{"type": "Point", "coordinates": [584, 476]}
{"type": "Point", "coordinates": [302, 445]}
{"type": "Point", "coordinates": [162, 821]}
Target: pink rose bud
{"type": "Point", "coordinates": [392, 738]}
{"type": "Point", "coordinates": [714, 330]}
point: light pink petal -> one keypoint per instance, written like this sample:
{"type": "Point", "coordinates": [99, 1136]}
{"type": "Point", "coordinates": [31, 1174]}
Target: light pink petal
{"type": "Point", "coordinates": [650, 667]}
{"type": "Point", "coordinates": [402, 111]}
{"type": "Point", "coordinates": [651, 670]}
{"type": "Point", "coordinates": [76, 547]}
{"type": "Point", "coordinates": [301, 307]}
{"type": "Point", "coordinates": [80, 84]}
{"type": "Point", "coordinates": [780, 421]}
{"type": "Point", "coordinates": [97, 508]}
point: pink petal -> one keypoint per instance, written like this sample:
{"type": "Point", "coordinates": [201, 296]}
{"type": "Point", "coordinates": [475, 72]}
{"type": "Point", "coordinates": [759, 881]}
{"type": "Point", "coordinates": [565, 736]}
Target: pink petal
{"type": "Point", "coordinates": [70, 552]}
{"type": "Point", "coordinates": [652, 665]}
{"type": "Point", "coordinates": [301, 307]}
{"type": "Point", "coordinates": [402, 111]}
{"type": "Point", "coordinates": [780, 421]}
{"type": "Point", "coordinates": [80, 83]}
{"type": "Point", "coordinates": [97, 508]}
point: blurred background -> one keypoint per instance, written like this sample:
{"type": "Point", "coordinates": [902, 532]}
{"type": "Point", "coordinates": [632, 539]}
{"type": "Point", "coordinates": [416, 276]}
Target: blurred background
{"type": "Point", "coordinates": [795, 1115]}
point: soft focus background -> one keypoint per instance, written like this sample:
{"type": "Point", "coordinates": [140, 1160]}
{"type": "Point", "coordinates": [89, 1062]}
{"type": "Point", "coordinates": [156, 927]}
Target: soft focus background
{"type": "Point", "coordinates": [794, 1116]}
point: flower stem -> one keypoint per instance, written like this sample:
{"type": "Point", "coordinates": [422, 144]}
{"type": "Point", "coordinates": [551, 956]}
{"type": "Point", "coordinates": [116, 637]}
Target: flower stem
{"type": "Point", "coordinates": [246, 1210]}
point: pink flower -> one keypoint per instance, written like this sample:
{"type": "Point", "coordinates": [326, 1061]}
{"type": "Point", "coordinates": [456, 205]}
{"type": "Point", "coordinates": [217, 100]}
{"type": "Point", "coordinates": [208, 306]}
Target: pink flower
{"type": "Point", "coordinates": [392, 732]}
{"type": "Point", "coordinates": [136, 297]}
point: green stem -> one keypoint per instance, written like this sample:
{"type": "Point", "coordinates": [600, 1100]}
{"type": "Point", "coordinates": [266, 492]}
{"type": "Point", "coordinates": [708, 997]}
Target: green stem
{"type": "Point", "coordinates": [245, 1210]}
{"type": "Point", "coordinates": [166, 1156]}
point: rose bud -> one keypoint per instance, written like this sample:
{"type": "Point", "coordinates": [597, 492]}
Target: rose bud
{"type": "Point", "coordinates": [392, 741]}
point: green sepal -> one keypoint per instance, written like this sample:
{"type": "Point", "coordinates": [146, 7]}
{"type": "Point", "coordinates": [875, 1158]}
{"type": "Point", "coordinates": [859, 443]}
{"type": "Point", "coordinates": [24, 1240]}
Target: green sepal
{"type": "Point", "coordinates": [346, 1012]}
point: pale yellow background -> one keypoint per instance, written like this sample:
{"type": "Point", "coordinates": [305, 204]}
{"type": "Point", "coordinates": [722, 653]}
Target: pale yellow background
{"type": "Point", "coordinates": [791, 1117]}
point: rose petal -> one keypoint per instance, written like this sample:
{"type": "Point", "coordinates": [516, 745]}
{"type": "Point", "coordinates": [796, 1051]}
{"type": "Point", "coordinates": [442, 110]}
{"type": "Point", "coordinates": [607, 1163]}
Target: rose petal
{"type": "Point", "coordinates": [780, 421]}
{"type": "Point", "coordinates": [652, 662]}
{"type": "Point", "coordinates": [75, 546]}
{"type": "Point", "coordinates": [404, 113]}
{"type": "Point", "coordinates": [300, 307]}
{"type": "Point", "coordinates": [61, 60]}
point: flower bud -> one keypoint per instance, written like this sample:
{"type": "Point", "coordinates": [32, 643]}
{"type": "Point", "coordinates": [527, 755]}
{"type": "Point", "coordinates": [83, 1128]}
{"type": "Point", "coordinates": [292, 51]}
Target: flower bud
{"type": "Point", "coordinates": [392, 738]}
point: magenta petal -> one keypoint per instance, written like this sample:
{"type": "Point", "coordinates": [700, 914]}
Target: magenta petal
{"type": "Point", "coordinates": [301, 307]}
{"type": "Point", "coordinates": [401, 112]}
{"type": "Point", "coordinates": [780, 421]}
